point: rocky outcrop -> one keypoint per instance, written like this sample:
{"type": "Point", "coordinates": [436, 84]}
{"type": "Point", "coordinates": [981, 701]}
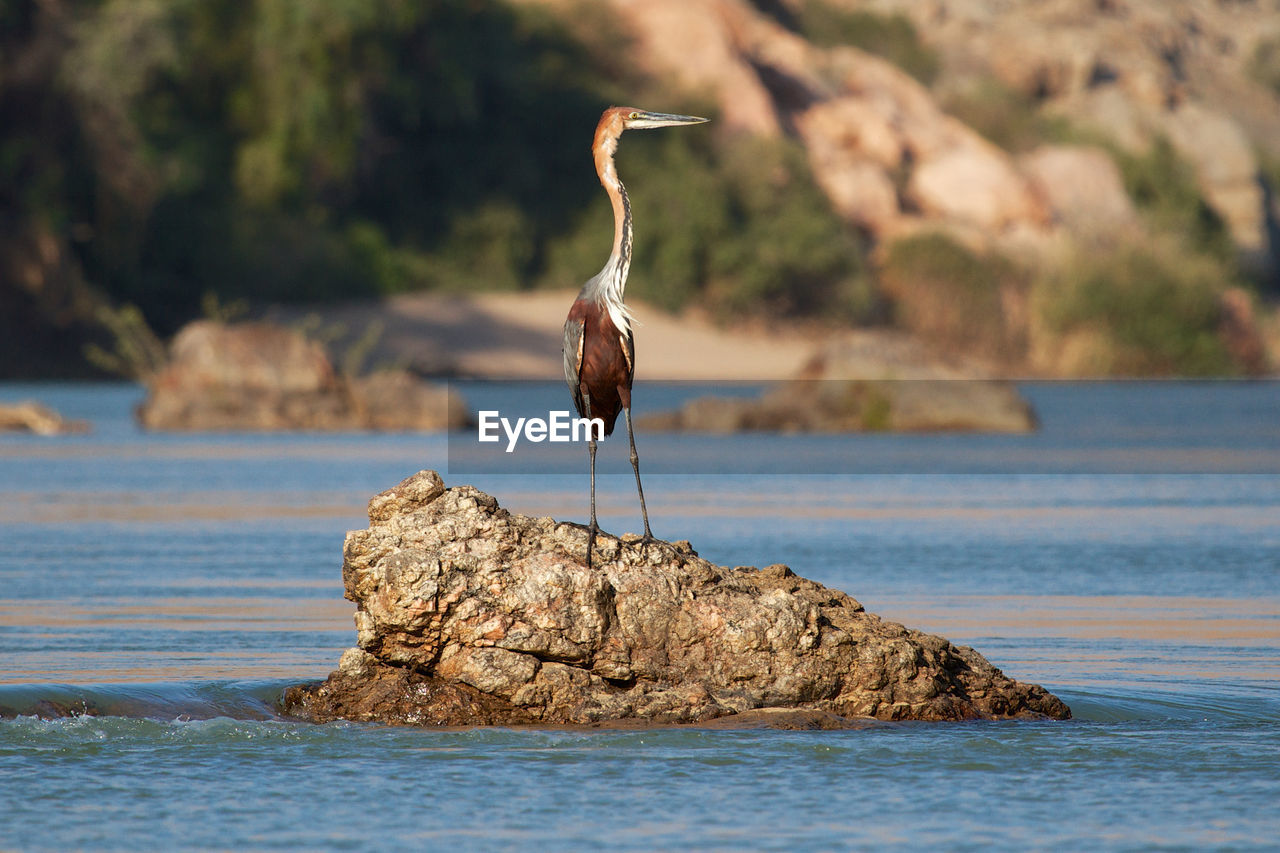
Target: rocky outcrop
{"type": "Point", "coordinates": [29, 416]}
{"type": "Point", "coordinates": [859, 405]}
{"type": "Point", "coordinates": [1136, 70]}
{"type": "Point", "coordinates": [885, 153]}
{"type": "Point", "coordinates": [867, 381]}
{"type": "Point", "coordinates": [893, 162]}
{"type": "Point", "coordinates": [257, 376]}
{"type": "Point", "coordinates": [467, 614]}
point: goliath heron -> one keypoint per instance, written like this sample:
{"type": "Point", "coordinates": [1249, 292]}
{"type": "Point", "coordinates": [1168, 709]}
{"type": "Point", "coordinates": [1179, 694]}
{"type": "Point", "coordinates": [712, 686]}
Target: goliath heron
{"type": "Point", "coordinates": [599, 352]}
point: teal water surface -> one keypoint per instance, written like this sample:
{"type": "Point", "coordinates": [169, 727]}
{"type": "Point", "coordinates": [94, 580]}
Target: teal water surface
{"type": "Point", "coordinates": [166, 588]}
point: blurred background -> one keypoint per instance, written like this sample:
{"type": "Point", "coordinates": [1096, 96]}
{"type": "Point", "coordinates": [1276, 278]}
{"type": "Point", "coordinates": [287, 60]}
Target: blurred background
{"type": "Point", "coordinates": [1047, 189]}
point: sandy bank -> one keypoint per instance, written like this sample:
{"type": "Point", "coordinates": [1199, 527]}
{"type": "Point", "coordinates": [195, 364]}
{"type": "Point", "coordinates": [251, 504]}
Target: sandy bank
{"type": "Point", "coordinates": [517, 336]}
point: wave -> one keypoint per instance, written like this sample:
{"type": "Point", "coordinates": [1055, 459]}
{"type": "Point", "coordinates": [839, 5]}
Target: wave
{"type": "Point", "coordinates": [259, 701]}
{"type": "Point", "coordinates": [239, 700]}
{"type": "Point", "coordinates": [1239, 705]}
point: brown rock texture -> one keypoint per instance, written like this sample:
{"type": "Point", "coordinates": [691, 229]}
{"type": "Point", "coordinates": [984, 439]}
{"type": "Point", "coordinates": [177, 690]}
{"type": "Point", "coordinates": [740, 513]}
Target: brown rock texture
{"type": "Point", "coordinates": [259, 376]}
{"type": "Point", "coordinates": [470, 615]}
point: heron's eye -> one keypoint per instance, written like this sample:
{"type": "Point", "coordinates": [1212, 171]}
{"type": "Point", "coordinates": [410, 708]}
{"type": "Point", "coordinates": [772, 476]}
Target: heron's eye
{"type": "Point", "coordinates": [634, 115]}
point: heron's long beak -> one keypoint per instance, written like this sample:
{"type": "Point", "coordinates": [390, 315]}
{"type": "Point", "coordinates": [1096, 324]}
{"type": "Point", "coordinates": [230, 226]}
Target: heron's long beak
{"type": "Point", "coordinates": [641, 120]}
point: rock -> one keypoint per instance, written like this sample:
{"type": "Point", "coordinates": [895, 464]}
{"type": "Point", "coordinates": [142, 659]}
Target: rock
{"type": "Point", "coordinates": [859, 405]}
{"type": "Point", "coordinates": [1227, 169]}
{"type": "Point", "coordinates": [975, 184]}
{"type": "Point", "coordinates": [398, 400]}
{"type": "Point", "coordinates": [853, 151]}
{"type": "Point", "coordinates": [865, 381]}
{"type": "Point", "coordinates": [694, 44]}
{"type": "Point", "coordinates": [1082, 187]}
{"type": "Point", "coordinates": [1135, 70]}
{"type": "Point", "coordinates": [29, 416]}
{"type": "Point", "coordinates": [258, 376]}
{"type": "Point", "coordinates": [868, 126]}
{"type": "Point", "coordinates": [1241, 332]}
{"type": "Point", "coordinates": [469, 615]}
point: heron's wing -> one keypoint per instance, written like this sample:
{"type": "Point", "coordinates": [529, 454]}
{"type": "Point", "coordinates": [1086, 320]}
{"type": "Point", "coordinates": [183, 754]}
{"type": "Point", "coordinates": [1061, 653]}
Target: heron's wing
{"type": "Point", "coordinates": [571, 348]}
{"type": "Point", "coordinates": [629, 350]}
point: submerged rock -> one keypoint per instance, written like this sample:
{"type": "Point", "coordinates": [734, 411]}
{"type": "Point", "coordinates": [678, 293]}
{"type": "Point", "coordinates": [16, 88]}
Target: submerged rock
{"type": "Point", "coordinates": [467, 614]}
{"type": "Point", "coordinates": [258, 376]}
{"type": "Point", "coordinates": [29, 416]}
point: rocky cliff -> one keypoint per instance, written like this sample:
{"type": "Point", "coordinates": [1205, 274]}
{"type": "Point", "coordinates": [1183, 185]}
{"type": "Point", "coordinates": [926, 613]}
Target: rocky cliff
{"type": "Point", "coordinates": [893, 158]}
{"type": "Point", "coordinates": [467, 614]}
{"type": "Point", "coordinates": [1067, 136]}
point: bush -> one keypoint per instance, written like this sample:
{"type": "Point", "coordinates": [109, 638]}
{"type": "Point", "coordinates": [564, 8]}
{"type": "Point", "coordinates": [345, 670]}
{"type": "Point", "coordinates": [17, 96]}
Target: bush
{"type": "Point", "coordinates": [1163, 187]}
{"type": "Point", "coordinates": [892, 37]}
{"type": "Point", "coordinates": [1005, 116]}
{"type": "Point", "coordinates": [954, 297]}
{"type": "Point", "coordinates": [1264, 65]}
{"type": "Point", "coordinates": [1157, 309]}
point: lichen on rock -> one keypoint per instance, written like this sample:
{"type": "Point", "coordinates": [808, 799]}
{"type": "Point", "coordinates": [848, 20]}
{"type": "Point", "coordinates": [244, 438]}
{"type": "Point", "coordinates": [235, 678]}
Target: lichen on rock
{"type": "Point", "coordinates": [468, 614]}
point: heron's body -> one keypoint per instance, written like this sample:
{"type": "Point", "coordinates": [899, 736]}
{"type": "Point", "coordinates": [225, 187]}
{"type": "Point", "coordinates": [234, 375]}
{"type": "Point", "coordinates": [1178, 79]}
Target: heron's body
{"type": "Point", "coordinates": [599, 351]}
{"type": "Point", "coordinates": [604, 360]}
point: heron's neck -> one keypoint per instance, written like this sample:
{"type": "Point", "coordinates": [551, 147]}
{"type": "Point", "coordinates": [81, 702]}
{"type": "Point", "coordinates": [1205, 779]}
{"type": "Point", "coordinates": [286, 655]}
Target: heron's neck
{"type": "Point", "coordinates": [607, 288]}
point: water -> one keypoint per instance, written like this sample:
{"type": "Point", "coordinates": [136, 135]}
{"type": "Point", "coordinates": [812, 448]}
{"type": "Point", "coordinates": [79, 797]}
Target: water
{"type": "Point", "coordinates": [173, 585]}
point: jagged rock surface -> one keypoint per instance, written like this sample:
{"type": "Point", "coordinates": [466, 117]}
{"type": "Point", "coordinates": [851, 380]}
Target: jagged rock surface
{"type": "Point", "coordinates": [468, 614]}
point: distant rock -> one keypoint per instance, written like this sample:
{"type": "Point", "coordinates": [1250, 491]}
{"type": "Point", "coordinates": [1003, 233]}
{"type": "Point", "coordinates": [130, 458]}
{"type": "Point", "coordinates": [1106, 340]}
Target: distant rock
{"type": "Point", "coordinates": [864, 382]}
{"type": "Point", "coordinates": [469, 615]}
{"type": "Point", "coordinates": [859, 405]}
{"type": "Point", "coordinates": [29, 416]}
{"type": "Point", "coordinates": [258, 376]}
{"type": "Point", "coordinates": [1242, 333]}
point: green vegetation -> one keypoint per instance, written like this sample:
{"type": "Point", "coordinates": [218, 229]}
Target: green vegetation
{"type": "Point", "coordinates": [1157, 308]}
{"type": "Point", "coordinates": [1264, 65]}
{"type": "Point", "coordinates": [1011, 119]}
{"type": "Point", "coordinates": [136, 352]}
{"type": "Point", "coordinates": [1153, 309]}
{"type": "Point", "coordinates": [892, 37]}
{"type": "Point", "coordinates": [1163, 186]}
{"type": "Point", "coordinates": [955, 297]}
{"type": "Point", "coordinates": [201, 152]}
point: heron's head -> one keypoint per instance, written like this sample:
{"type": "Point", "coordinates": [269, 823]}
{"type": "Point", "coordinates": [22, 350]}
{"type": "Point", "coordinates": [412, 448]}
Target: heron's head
{"type": "Point", "coordinates": [634, 119]}
{"type": "Point", "coordinates": [617, 119]}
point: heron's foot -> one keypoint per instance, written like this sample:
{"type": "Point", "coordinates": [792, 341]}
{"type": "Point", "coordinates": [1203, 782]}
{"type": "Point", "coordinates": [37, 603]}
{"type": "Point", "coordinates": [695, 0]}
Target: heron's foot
{"type": "Point", "coordinates": [599, 531]}
{"type": "Point", "coordinates": [649, 539]}
{"type": "Point", "coordinates": [594, 532]}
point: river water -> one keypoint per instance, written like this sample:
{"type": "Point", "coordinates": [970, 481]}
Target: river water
{"type": "Point", "coordinates": [171, 585]}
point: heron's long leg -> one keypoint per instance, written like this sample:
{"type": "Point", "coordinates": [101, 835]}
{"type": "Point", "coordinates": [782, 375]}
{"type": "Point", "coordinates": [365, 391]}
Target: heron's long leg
{"type": "Point", "coordinates": [635, 465]}
{"type": "Point", "coordinates": [591, 445]}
